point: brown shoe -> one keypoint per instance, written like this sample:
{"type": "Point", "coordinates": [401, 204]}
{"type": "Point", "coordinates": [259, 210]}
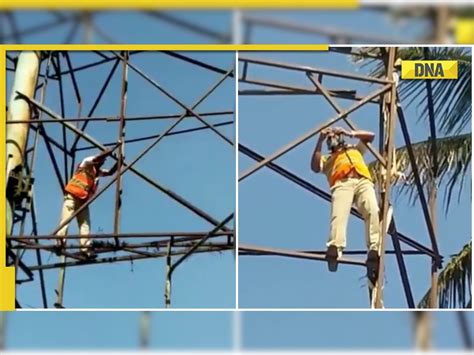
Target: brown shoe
{"type": "Point", "coordinates": [372, 263]}
{"type": "Point", "coordinates": [59, 246]}
{"type": "Point", "coordinates": [331, 256]}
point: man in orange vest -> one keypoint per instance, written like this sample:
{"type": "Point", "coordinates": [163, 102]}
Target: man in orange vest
{"type": "Point", "coordinates": [351, 183]}
{"type": "Point", "coordinates": [78, 190]}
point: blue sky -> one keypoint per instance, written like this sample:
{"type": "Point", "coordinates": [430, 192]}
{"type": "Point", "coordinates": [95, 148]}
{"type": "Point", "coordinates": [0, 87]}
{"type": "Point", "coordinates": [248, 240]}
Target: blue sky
{"type": "Point", "coordinates": [129, 27]}
{"type": "Point", "coordinates": [368, 22]}
{"type": "Point", "coordinates": [215, 330]}
{"type": "Point", "coordinates": [117, 330]}
{"type": "Point", "coordinates": [134, 27]}
{"type": "Point", "coordinates": [349, 331]}
{"type": "Point", "coordinates": [199, 166]}
{"type": "Point", "coordinates": [276, 213]}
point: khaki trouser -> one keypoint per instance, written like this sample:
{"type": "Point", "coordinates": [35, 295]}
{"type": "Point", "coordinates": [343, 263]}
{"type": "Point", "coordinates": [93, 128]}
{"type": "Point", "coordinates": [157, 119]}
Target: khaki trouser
{"type": "Point", "coordinates": [359, 191]}
{"type": "Point", "coordinates": [71, 205]}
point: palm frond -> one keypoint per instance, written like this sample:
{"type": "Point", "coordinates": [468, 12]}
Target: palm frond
{"type": "Point", "coordinates": [454, 282]}
{"type": "Point", "coordinates": [454, 158]}
{"type": "Point", "coordinates": [452, 98]}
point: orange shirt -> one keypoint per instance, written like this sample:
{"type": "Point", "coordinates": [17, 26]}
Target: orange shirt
{"type": "Point", "coordinates": [340, 164]}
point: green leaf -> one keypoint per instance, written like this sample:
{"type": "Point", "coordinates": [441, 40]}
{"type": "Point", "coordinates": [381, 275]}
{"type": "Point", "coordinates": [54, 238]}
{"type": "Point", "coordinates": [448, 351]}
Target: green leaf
{"type": "Point", "coordinates": [454, 282]}
{"type": "Point", "coordinates": [452, 98]}
{"type": "Point", "coordinates": [454, 160]}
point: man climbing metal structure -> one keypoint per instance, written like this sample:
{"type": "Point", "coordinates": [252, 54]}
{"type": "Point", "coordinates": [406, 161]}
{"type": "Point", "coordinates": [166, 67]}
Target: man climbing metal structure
{"type": "Point", "coordinates": [78, 190]}
{"type": "Point", "coordinates": [368, 191]}
{"type": "Point", "coordinates": [351, 183]}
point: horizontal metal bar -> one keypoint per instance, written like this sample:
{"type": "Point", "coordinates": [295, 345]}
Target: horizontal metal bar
{"type": "Point", "coordinates": [323, 252]}
{"type": "Point", "coordinates": [106, 248]}
{"type": "Point", "coordinates": [117, 119]}
{"type": "Point", "coordinates": [110, 260]}
{"type": "Point", "coordinates": [122, 235]}
{"type": "Point", "coordinates": [305, 68]}
{"type": "Point", "coordinates": [197, 62]}
{"type": "Point", "coordinates": [296, 90]}
{"type": "Point", "coordinates": [348, 51]}
{"type": "Point", "coordinates": [297, 254]}
{"type": "Point", "coordinates": [90, 65]}
{"type": "Point", "coordinates": [169, 134]}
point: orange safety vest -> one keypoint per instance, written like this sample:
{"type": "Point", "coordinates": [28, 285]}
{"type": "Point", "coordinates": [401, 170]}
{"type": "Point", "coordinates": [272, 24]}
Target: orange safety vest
{"type": "Point", "coordinates": [340, 164]}
{"type": "Point", "coordinates": [82, 185]}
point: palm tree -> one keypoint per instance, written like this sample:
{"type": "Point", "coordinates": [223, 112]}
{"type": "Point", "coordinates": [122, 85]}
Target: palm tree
{"type": "Point", "coordinates": [452, 111]}
{"type": "Point", "coordinates": [454, 282]}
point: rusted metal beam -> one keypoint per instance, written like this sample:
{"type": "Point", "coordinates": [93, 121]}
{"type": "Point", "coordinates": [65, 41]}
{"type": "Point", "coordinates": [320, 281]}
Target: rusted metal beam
{"type": "Point", "coordinates": [305, 68]}
{"type": "Point", "coordinates": [297, 254]}
{"type": "Point", "coordinates": [389, 151]}
{"type": "Point", "coordinates": [116, 259]}
{"type": "Point", "coordinates": [124, 235]}
{"type": "Point", "coordinates": [121, 148]}
{"type": "Point", "coordinates": [130, 118]}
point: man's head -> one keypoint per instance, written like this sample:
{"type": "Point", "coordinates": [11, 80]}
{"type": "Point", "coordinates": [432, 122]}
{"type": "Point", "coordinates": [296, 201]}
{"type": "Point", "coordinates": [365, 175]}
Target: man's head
{"type": "Point", "coordinates": [334, 140]}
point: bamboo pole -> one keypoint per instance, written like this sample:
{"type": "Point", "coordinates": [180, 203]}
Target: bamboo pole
{"type": "Point", "coordinates": [25, 80]}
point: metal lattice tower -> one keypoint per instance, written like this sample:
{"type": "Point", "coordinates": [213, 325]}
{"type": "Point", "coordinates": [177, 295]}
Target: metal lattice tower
{"type": "Point", "coordinates": [386, 97]}
{"type": "Point", "coordinates": [116, 246]}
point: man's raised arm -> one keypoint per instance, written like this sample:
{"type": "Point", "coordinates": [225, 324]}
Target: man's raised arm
{"type": "Point", "coordinates": [364, 136]}
{"type": "Point", "coordinates": [316, 158]}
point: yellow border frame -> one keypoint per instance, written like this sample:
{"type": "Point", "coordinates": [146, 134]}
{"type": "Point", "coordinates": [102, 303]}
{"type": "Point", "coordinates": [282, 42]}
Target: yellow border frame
{"type": "Point", "coordinates": [173, 4]}
{"type": "Point", "coordinates": [167, 47]}
{"type": "Point", "coordinates": [7, 275]}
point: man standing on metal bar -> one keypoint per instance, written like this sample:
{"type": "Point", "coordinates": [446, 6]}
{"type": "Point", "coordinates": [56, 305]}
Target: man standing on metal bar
{"type": "Point", "coordinates": [78, 190]}
{"type": "Point", "coordinates": [351, 183]}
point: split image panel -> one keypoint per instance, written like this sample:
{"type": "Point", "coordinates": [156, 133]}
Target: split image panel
{"type": "Point", "coordinates": [134, 151]}
{"type": "Point", "coordinates": [168, 118]}
{"type": "Point", "coordinates": [316, 133]}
